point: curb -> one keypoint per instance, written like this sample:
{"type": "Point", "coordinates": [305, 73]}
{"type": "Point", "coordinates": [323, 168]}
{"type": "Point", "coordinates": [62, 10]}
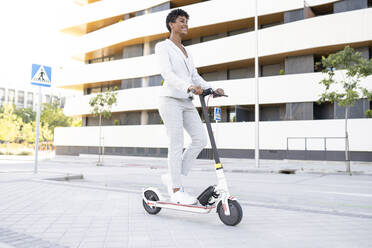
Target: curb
{"type": "Point", "coordinates": [68, 177]}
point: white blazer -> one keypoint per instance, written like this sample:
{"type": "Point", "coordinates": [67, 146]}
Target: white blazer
{"type": "Point", "coordinates": [178, 72]}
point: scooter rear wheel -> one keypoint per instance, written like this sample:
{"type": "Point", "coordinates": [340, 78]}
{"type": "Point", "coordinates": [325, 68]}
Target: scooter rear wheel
{"type": "Point", "coordinates": [152, 196]}
{"type": "Point", "coordinates": [236, 213]}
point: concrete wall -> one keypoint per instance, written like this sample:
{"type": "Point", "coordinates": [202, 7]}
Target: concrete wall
{"type": "Point", "coordinates": [348, 5]}
{"type": "Point", "coordinates": [299, 64]}
{"type": "Point", "coordinates": [273, 90]}
{"type": "Point", "coordinates": [322, 31]}
{"type": "Point", "coordinates": [236, 135]}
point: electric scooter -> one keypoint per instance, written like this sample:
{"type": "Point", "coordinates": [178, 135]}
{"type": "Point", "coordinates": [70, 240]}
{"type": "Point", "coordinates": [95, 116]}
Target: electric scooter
{"type": "Point", "coordinates": [215, 197]}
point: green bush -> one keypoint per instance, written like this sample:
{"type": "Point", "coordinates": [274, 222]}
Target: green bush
{"type": "Point", "coordinates": [25, 153]}
{"type": "Point", "coordinates": [368, 113]}
{"type": "Point", "coordinates": [281, 72]}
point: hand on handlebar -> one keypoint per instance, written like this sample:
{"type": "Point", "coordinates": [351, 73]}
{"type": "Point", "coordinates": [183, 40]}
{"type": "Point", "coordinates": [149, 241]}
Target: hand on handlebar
{"type": "Point", "coordinates": [218, 92]}
{"type": "Point", "coordinates": [197, 90]}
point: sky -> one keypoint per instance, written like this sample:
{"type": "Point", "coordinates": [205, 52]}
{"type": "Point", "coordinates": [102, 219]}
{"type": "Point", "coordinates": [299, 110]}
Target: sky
{"type": "Point", "coordinates": [29, 33]}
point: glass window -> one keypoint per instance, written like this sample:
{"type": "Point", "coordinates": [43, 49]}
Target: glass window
{"type": "Point", "coordinates": [155, 80]}
{"type": "Point", "coordinates": [47, 98]}
{"type": "Point", "coordinates": [63, 100]}
{"type": "Point", "coordinates": [21, 98]}
{"type": "Point", "coordinates": [11, 96]}
{"type": "Point", "coordinates": [30, 100]}
{"type": "Point", "coordinates": [54, 99]}
{"type": "Point", "coordinates": [2, 96]}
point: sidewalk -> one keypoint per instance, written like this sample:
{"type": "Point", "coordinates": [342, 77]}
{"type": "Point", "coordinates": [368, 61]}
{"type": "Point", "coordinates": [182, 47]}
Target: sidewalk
{"type": "Point", "coordinates": [46, 213]}
{"type": "Point", "coordinates": [237, 165]}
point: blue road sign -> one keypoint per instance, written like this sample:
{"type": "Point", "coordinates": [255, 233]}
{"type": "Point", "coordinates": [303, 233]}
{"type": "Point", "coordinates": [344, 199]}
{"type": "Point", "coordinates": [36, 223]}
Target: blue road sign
{"type": "Point", "coordinates": [217, 114]}
{"type": "Point", "coordinates": [41, 75]}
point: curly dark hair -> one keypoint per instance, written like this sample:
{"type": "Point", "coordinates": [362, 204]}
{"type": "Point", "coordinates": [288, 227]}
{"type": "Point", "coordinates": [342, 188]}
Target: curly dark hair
{"type": "Point", "coordinates": [172, 16]}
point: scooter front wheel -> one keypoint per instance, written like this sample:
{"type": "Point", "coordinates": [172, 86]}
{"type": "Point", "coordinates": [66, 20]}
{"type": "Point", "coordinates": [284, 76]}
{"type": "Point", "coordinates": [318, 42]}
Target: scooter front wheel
{"type": "Point", "coordinates": [152, 196]}
{"type": "Point", "coordinates": [236, 213]}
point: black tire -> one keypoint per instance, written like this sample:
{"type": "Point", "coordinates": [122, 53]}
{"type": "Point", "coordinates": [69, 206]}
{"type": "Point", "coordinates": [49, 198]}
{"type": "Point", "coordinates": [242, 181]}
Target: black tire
{"type": "Point", "coordinates": [152, 196]}
{"type": "Point", "coordinates": [236, 213]}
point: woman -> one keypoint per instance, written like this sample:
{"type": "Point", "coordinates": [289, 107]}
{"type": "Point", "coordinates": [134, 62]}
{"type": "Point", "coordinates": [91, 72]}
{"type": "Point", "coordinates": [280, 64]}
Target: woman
{"type": "Point", "coordinates": [175, 105]}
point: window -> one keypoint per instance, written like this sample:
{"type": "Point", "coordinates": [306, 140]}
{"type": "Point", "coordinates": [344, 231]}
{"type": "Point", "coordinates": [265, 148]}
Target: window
{"type": "Point", "coordinates": [63, 101]}
{"type": "Point", "coordinates": [103, 59]}
{"type": "Point", "coordinates": [153, 117]}
{"type": "Point", "coordinates": [11, 96]}
{"type": "Point", "coordinates": [160, 7]}
{"type": "Point", "coordinates": [21, 98]}
{"type": "Point", "coordinates": [55, 100]}
{"type": "Point", "coordinates": [133, 51]}
{"type": "Point", "coordinates": [94, 90]}
{"type": "Point", "coordinates": [211, 37]}
{"type": "Point", "coordinates": [231, 114]}
{"type": "Point", "coordinates": [187, 42]}
{"type": "Point", "coordinates": [2, 96]}
{"type": "Point", "coordinates": [155, 80]}
{"type": "Point", "coordinates": [239, 31]}
{"type": "Point", "coordinates": [323, 111]}
{"type": "Point", "coordinates": [30, 100]}
{"type": "Point", "coordinates": [131, 83]}
{"type": "Point", "coordinates": [47, 98]}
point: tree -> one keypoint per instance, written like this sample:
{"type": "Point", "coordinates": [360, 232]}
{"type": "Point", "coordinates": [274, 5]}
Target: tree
{"type": "Point", "coordinates": [345, 89]}
{"type": "Point", "coordinates": [101, 106]}
{"type": "Point", "coordinates": [53, 116]}
{"type": "Point", "coordinates": [26, 114]}
{"type": "Point", "coordinates": [10, 124]}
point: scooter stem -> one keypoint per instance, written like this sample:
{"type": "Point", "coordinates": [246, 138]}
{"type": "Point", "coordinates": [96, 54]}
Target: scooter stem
{"type": "Point", "coordinates": [216, 156]}
{"type": "Point", "coordinates": [222, 184]}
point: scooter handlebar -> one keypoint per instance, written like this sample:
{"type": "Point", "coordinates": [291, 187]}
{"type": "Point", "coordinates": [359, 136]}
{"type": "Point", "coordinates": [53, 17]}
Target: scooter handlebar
{"type": "Point", "coordinates": [210, 91]}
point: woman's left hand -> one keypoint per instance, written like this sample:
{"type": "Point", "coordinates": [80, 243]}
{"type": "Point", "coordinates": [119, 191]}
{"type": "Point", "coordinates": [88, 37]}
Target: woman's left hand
{"type": "Point", "coordinates": [220, 91]}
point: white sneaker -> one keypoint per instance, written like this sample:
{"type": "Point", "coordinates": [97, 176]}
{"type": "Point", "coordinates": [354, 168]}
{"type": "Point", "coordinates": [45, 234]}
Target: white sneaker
{"type": "Point", "coordinates": [181, 197]}
{"type": "Point", "coordinates": [166, 181]}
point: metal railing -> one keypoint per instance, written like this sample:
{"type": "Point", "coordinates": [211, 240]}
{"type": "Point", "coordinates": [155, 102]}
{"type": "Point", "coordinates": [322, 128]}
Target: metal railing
{"type": "Point", "coordinates": [310, 138]}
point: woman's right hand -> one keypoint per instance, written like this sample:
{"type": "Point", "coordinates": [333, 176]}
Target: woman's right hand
{"type": "Point", "coordinates": [197, 90]}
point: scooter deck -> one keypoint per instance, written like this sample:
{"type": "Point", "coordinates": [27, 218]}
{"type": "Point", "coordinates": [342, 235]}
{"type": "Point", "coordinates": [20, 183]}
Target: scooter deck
{"type": "Point", "coordinates": [197, 208]}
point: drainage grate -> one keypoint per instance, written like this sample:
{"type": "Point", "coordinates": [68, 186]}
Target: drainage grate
{"type": "Point", "coordinates": [287, 171]}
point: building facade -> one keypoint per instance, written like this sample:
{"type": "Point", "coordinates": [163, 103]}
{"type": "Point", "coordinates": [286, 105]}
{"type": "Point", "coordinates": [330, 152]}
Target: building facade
{"type": "Point", "coordinates": [28, 96]}
{"type": "Point", "coordinates": [117, 40]}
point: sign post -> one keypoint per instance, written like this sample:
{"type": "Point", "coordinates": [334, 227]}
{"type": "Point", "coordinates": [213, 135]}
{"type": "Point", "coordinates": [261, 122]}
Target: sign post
{"type": "Point", "coordinates": [217, 118]}
{"type": "Point", "coordinates": [41, 76]}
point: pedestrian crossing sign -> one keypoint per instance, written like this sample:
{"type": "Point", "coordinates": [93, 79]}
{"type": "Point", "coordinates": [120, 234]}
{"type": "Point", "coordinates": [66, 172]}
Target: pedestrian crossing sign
{"type": "Point", "coordinates": [41, 75]}
{"type": "Point", "coordinates": [217, 114]}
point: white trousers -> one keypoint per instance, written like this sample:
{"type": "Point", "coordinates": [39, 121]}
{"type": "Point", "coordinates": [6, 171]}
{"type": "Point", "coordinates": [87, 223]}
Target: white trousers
{"type": "Point", "coordinates": [178, 114]}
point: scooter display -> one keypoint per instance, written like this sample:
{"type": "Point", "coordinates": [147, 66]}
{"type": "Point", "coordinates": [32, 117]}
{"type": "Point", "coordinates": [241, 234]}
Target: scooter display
{"type": "Point", "coordinates": [215, 197]}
